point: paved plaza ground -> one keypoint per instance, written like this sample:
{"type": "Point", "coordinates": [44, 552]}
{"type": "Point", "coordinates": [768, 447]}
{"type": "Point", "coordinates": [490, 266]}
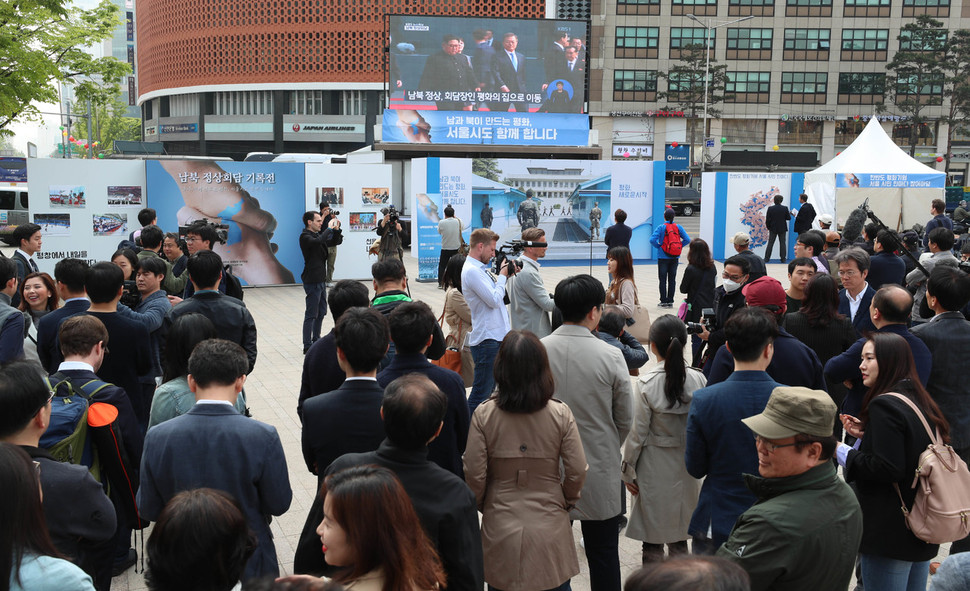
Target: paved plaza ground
{"type": "Point", "coordinates": [274, 386]}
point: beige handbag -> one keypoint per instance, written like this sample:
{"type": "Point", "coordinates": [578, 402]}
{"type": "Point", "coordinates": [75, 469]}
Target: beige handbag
{"type": "Point", "coordinates": [637, 325]}
{"type": "Point", "coordinates": [941, 510]}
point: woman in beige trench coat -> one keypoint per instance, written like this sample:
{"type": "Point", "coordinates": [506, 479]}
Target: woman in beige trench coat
{"type": "Point", "coordinates": [653, 455]}
{"type": "Point", "coordinates": [515, 444]}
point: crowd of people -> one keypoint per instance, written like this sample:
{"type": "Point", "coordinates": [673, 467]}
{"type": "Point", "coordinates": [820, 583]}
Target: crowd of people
{"type": "Point", "coordinates": [771, 450]}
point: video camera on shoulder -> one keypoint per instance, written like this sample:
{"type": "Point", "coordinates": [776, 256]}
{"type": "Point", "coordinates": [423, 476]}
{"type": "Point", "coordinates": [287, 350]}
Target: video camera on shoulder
{"type": "Point", "coordinates": [392, 214]}
{"type": "Point", "coordinates": [514, 249]}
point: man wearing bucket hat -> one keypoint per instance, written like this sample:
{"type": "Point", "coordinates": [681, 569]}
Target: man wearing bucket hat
{"type": "Point", "coordinates": [803, 531]}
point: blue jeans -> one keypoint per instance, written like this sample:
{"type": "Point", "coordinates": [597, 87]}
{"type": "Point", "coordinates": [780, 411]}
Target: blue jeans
{"type": "Point", "coordinates": [316, 310]}
{"type": "Point", "coordinates": [484, 382]}
{"type": "Point", "coordinates": [668, 279]}
{"type": "Point", "coordinates": [887, 574]}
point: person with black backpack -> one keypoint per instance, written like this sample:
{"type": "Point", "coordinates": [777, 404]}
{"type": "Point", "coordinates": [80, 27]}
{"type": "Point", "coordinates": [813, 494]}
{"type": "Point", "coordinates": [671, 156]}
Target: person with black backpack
{"type": "Point", "coordinates": [669, 239]}
{"type": "Point", "coordinates": [84, 343]}
{"type": "Point", "coordinates": [79, 515]}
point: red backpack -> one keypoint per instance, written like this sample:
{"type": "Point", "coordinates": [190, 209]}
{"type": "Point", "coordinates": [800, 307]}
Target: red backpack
{"type": "Point", "coordinates": [672, 244]}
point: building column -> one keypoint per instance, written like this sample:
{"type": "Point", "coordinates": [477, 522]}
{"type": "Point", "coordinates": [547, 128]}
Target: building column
{"type": "Point", "coordinates": [279, 106]}
{"type": "Point", "coordinates": [202, 147]}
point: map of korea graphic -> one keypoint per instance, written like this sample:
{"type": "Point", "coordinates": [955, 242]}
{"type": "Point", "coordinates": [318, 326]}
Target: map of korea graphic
{"type": "Point", "coordinates": [753, 215]}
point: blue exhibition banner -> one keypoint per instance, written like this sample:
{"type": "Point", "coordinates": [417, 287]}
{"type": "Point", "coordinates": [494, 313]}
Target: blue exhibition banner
{"type": "Point", "coordinates": [677, 157]}
{"type": "Point", "coordinates": [890, 181]}
{"type": "Point", "coordinates": [257, 208]}
{"type": "Point", "coordinates": [484, 127]}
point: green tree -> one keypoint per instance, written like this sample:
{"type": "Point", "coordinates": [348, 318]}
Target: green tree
{"type": "Point", "coordinates": [486, 168]}
{"type": "Point", "coordinates": [108, 123]}
{"type": "Point", "coordinates": [956, 89]}
{"type": "Point", "coordinates": [685, 87]}
{"type": "Point", "coordinates": [917, 72]}
{"type": "Point", "coordinates": [41, 43]}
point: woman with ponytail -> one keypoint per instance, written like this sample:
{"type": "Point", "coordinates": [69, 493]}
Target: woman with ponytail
{"type": "Point", "coordinates": [653, 455]}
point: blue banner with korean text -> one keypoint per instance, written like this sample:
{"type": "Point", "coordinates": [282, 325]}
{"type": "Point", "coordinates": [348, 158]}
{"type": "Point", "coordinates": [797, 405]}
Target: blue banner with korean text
{"type": "Point", "coordinates": [890, 181]}
{"type": "Point", "coordinates": [508, 129]}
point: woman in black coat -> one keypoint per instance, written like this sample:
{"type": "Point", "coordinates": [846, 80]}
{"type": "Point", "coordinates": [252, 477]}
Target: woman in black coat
{"type": "Point", "coordinates": [892, 438]}
{"type": "Point", "coordinates": [698, 284]}
{"type": "Point", "coordinates": [819, 326]}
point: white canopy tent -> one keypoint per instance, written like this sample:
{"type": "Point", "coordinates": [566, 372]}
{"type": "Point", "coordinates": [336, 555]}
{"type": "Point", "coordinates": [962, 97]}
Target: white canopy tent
{"type": "Point", "coordinates": [899, 187]}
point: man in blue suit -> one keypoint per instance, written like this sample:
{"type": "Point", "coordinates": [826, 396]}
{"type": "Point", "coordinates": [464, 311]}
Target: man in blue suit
{"type": "Point", "coordinates": [889, 312]}
{"type": "Point", "coordinates": [214, 446]}
{"type": "Point", "coordinates": [855, 295]}
{"type": "Point", "coordinates": [509, 70]}
{"type": "Point", "coordinates": [719, 446]}
{"type": "Point", "coordinates": [70, 275]}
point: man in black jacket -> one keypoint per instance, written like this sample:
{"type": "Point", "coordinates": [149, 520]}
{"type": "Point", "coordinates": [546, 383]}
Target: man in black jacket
{"type": "Point", "coordinates": [314, 242]}
{"type": "Point", "coordinates": [413, 410]}
{"type": "Point", "coordinates": [776, 220]}
{"type": "Point", "coordinates": [347, 420]}
{"type": "Point", "coordinates": [947, 336]}
{"type": "Point", "coordinates": [806, 215]}
{"type": "Point", "coordinates": [230, 316]}
{"type": "Point", "coordinates": [69, 275]}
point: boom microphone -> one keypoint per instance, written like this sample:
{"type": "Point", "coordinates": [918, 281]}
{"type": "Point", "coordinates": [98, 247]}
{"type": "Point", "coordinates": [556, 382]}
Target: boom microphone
{"type": "Point", "coordinates": [530, 243]}
{"type": "Point", "coordinates": [854, 225]}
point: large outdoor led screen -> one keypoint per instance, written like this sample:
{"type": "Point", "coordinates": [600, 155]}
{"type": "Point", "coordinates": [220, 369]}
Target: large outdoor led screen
{"type": "Point", "coordinates": [487, 64]}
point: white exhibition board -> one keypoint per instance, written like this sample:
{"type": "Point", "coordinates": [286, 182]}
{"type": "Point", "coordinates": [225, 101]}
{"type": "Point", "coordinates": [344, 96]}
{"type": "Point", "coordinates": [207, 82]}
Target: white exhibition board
{"type": "Point", "coordinates": [84, 207]}
{"type": "Point", "coordinates": [358, 192]}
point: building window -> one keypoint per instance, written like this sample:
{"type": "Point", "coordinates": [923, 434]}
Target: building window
{"type": "Point", "coordinates": [636, 7]}
{"type": "Point", "coordinates": [744, 131]}
{"type": "Point", "coordinates": [915, 85]}
{"type": "Point", "coordinates": [862, 83]}
{"type": "Point", "coordinates": [747, 87]}
{"type": "Point", "coordinates": [804, 82]}
{"type": "Point", "coordinates": [927, 7]}
{"type": "Point", "coordinates": [637, 42]}
{"type": "Point", "coordinates": [925, 133]}
{"type": "Point", "coordinates": [307, 102]}
{"type": "Point", "coordinates": [694, 2]}
{"type": "Point", "coordinates": [634, 85]}
{"type": "Point", "coordinates": [749, 39]}
{"type": "Point", "coordinates": [354, 102]}
{"type": "Point", "coordinates": [808, 8]}
{"type": "Point", "coordinates": [743, 82]}
{"type": "Point", "coordinates": [810, 39]}
{"type": "Point", "coordinates": [922, 43]}
{"type": "Point", "coordinates": [255, 102]}
{"type": "Point", "coordinates": [799, 132]}
{"type": "Point", "coordinates": [681, 37]}
{"type": "Point", "coordinates": [865, 39]}
{"type": "Point", "coordinates": [867, 8]}
{"type": "Point", "coordinates": [751, 7]}
{"type": "Point", "coordinates": [183, 105]}
{"type": "Point", "coordinates": [846, 132]}
{"type": "Point", "coordinates": [861, 88]}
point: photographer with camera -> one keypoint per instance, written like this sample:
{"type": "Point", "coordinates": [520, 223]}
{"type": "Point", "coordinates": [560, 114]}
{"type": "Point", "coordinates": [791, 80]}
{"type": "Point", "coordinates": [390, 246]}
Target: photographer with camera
{"type": "Point", "coordinates": [202, 235]}
{"type": "Point", "coordinates": [392, 235]}
{"type": "Point", "coordinates": [529, 300]}
{"type": "Point", "coordinates": [728, 298]}
{"type": "Point", "coordinates": [328, 216]}
{"type": "Point", "coordinates": [315, 241]}
{"type": "Point", "coordinates": [485, 294]}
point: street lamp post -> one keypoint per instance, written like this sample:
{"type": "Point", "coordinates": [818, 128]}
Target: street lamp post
{"type": "Point", "coordinates": [707, 72]}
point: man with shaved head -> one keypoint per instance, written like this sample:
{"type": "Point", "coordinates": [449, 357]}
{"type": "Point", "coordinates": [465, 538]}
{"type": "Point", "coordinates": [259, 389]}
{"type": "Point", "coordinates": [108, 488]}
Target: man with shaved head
{"type": "Point", "coordinates": [889, 312]}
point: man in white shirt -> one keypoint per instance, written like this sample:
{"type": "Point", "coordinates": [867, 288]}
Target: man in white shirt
{"type": "Point", "coordinates": [485, 294]}
{"type": "Point", "coordinates": [855, 295]}
{"type": "Point", "coordinates": [529, 300]}
{"type": "Point", "coordinates": [450, 230]}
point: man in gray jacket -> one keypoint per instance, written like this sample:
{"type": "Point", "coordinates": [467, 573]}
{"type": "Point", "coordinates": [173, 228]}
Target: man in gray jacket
{"type": "Point", "coordinates": [592, 378]}
{"type": "Point", "coordinates": [530, 302]}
